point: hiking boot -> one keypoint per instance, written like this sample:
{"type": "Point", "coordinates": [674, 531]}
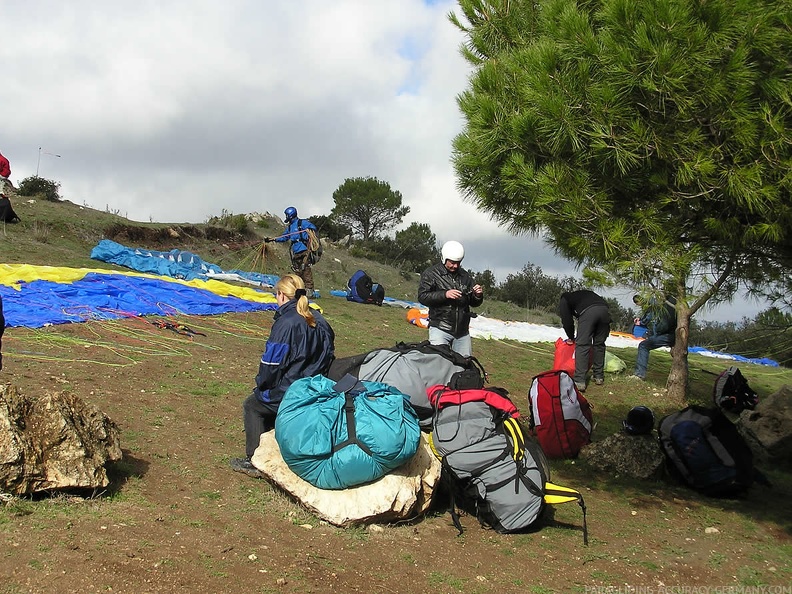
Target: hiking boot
{"type": "Point", "coordinates": [245, 466]}
{"type": "Point", "coordinates": [599, 380]}
{"type": "Point", "coordinates": [580, 387]}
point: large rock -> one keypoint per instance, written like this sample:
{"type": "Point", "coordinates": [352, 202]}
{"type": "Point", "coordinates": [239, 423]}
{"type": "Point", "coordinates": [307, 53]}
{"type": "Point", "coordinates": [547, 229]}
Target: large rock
{"type": "Point", "coordinates": [402, 494]}
{"type": "Point", "coordinates": [53, 442]}
{"type": "Point", "coordinates": [637, 456]}
{"type": "Point", "coordinates": [768, 428]}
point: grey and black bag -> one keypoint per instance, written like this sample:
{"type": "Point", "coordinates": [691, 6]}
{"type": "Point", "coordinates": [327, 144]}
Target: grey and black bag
{"type": "Point", "coordinates": [491, 470]}
{"type": "Point", "coordinates": [411, 368]}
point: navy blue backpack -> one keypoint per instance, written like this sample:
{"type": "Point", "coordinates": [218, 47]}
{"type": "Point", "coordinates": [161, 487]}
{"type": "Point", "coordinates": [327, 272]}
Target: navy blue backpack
{"type": "Point", "coordinates": [704, 449]}
{"type": "Point", "coordinates": [363, 290]}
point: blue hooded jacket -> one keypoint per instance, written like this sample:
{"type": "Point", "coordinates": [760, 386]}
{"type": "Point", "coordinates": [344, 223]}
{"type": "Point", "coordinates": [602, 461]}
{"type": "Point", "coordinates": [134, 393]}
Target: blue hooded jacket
{"type": "Point", "coordinates": [296, 232]}
{"type": "Point", "coordinates": [294, 350]}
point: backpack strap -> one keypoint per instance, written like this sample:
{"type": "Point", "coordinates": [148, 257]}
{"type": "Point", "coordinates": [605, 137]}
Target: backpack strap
{"type": "Point", "coordinates": [515, 435]}
{"type": "Point", "coordinates": [555, 494]}
{"type": "Point", "coordinates": [351, 387]}
{"type": "Point", "coordinates": [447, 477]}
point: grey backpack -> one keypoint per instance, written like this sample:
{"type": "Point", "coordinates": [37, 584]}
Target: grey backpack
{"type": "Point", "coordinates": [492, 471]}
{"type": "Point", "coordinates": [411, 368]}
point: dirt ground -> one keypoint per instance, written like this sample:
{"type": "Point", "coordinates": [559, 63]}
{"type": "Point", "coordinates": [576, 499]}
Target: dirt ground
{"type": "Point", "coordinates": [177, 519]}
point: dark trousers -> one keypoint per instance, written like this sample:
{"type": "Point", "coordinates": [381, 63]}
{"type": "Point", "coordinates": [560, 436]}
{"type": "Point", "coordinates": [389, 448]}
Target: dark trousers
{"type": "Point", "coordinates": [259, 417]}
{"type": "Point", "coordinates": [301, 264]}
{"type": "Point", "coordinates": [592, 332]}
{"type": "Point", "coordinates": [649, 344]}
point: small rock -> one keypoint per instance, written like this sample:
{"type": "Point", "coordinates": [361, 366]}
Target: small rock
{"type": "Point", "coordinates": [711, 530]}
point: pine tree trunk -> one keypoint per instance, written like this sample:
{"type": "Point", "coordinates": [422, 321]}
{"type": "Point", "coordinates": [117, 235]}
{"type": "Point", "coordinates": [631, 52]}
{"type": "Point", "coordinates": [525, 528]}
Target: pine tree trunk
{"type": "Point", "coordinates": [678, 377]}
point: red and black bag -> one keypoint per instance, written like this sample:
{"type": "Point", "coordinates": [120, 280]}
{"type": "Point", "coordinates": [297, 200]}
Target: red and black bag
{"type": "Point", "coordinates": [732, 392]}
{"type": "Point", "coordinates": [561, 416]}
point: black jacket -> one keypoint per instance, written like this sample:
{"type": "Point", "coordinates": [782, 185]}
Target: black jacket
{"type": "Point", "coordinates": [575, 303]}
{"type": "Point", "coordinates": [452, 316]}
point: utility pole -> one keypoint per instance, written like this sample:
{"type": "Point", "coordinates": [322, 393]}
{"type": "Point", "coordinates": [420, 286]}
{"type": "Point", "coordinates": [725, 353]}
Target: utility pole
{"type": "Point", "coordinates": [38, 164]}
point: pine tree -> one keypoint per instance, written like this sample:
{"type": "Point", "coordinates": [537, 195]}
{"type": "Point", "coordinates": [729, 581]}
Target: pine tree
{"type": "Point", "coordinates": [648, 139]}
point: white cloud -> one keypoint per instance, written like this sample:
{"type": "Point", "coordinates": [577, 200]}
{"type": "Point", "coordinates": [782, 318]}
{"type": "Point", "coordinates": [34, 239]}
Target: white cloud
{"type": "Point", "coordinates": [173, 111]}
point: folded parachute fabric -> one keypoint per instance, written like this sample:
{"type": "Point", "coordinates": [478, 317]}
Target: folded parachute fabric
{"type": "Point", "coordinates": [36, 296]}
{"type": "Point", "coordinates": [174, 263]}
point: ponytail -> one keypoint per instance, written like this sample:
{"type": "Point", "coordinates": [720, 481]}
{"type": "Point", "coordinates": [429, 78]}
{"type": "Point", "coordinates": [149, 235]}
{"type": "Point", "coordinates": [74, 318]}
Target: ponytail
{"type": "Point", "coordinates": [293, 287]}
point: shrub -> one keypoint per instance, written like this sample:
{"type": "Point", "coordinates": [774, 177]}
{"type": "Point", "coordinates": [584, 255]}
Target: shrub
{"type": "Point", "coordinates": [38, 186]}
{"type": "Point", "coordinates": [228, 220]}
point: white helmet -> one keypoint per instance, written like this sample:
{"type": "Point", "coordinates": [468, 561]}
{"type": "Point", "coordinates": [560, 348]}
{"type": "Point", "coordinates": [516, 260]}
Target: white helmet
{"type": "Point", "coordinates": [453, 250]}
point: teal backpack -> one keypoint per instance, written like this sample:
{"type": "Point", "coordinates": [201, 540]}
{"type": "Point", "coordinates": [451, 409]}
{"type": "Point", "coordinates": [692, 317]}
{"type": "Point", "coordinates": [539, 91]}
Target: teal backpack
{"type": "Point", "coordinates": [341, 434]}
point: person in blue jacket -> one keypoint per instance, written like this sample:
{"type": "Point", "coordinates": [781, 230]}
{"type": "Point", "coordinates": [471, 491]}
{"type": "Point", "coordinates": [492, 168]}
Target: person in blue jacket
{"type": "Point", "coordinates": [304, 246]}
{"type": "Point", "coordinates": [660, 323]}
{"type": "Point", "coordinates": [301, 344]}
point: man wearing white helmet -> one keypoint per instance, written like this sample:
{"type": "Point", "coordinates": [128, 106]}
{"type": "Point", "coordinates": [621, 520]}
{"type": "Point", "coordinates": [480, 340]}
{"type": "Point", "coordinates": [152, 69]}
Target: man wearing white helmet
{"type": "Point", "coordinates": [448, 291]}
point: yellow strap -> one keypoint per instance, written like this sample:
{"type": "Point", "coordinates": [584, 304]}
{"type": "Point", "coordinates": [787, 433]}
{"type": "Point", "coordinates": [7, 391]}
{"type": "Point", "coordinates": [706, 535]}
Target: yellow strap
{"type": "Point", "coordinates": [518, 439]}
{"type": "Point", "coordinates": [432, 447]}
{"type": "Point", "coordinates": [555, 494]}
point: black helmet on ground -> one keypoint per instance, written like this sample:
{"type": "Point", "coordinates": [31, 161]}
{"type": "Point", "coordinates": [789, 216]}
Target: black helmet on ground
{"type": "Point", "coordinates": [640, 421]}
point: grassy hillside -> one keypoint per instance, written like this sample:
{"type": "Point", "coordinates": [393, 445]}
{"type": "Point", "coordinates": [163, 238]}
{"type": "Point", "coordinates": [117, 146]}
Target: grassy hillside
{"type": "Point", "coordinates": [176, 518]}
{"type": "Point", "coordinates": [65, 232]}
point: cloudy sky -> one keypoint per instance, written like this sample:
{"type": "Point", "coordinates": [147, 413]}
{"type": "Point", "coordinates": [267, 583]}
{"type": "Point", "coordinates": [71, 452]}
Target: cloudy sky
{"type": "Point", "coordinates": [173, 111]}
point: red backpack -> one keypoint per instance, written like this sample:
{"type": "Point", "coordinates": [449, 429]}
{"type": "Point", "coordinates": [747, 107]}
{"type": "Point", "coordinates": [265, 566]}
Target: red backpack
{"type": "Point", "coordinates": [560, 415]}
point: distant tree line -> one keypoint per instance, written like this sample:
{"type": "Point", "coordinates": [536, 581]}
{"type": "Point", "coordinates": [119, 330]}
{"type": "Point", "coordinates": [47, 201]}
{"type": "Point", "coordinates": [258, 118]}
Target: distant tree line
{"type": "Point", "coordinates": [532, 289]}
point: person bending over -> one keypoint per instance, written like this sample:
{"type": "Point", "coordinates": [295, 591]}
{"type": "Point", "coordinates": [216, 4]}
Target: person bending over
{"type": "Point", "coordinates": [593, 326]}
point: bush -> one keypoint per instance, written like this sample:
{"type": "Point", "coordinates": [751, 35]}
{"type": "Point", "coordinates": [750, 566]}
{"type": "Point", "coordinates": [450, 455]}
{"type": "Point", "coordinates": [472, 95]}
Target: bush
{"type": "Point", "coordinates": [228, 220]}
{"type": "Point", "coordinates": [38, 186]}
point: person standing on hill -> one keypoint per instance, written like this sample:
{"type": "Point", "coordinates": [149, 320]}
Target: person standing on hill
{"type": "Point", "coordinates": [660, 322]}
{"type": "Point", "coordinates": [593, 327]}
{"type": "Point", "coordinates": [304, 248]}
{"type": "Point", "coordinates": [301, 344]}
{"type": "Point", "coordinates": [448, 291]}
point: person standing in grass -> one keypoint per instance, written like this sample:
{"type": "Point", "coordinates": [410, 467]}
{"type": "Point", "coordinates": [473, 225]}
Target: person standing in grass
{"type": "Point", "coordinates": [448, 291]}
{"type": "Point", "coordinates": [5, 173]}
{"type": "Point", "coordinates": [301, 344]}
{"type": "Point", "coordinates": [304, 248]}
{"type": "Point", "coordinates": [593, 326]}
